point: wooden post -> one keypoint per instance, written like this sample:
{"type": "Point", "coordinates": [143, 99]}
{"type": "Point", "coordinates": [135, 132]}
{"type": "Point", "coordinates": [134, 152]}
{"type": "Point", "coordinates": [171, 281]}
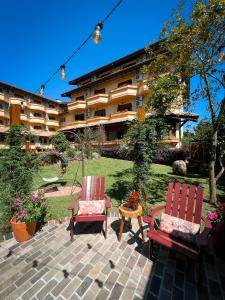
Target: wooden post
{"type": "Point", "coordinates": [141, 114]}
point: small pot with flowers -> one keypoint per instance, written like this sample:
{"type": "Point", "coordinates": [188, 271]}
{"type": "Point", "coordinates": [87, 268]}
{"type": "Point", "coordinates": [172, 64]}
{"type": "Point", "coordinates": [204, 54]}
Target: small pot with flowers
{"type": "Point", "coordinates": [132, 202]}
{"type": "Point", "coordinates": [217, 218]}
{"type": "Point", "coordinates": [27, 212]}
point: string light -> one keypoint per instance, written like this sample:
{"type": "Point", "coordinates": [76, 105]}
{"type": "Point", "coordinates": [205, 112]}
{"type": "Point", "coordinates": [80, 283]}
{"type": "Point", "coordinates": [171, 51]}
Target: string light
{"type": "Point", "coordinates": [63, 72]}
{"type": "Point", "coordinates": [96, 36]}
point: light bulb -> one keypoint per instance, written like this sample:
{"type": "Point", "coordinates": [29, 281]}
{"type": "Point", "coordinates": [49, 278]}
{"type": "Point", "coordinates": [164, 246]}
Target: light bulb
{"type": "Point", "coordinates": [63, 72]}
{"type": "Point", "coordinates": [42, 90]}
{"type": "Point", "coordinates": [97, 36]}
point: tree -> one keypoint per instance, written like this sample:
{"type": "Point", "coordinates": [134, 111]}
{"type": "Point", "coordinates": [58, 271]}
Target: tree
{"type": "Point", "coordinates": [60, 142]}
{"type": "Point", "coordinates": [85, 138]}
{"type": "Point", "coordinates": [193, 49]}
{"type": "Point", "coordinates": [142, 139]}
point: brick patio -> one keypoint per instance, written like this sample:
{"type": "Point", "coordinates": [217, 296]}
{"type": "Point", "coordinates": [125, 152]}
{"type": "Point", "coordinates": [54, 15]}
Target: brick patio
{"type": "Point", "coordinates": [51, 267]}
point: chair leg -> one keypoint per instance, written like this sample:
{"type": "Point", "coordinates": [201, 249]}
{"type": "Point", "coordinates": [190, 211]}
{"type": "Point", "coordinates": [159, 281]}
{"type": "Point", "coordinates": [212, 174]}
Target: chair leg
{"type": "Point", "coordinates": [150, 243]}
{"type": "Point", "coordinates": [121, 227]}
{"type": "Point", "coordinates": [71, 229]}
{"type": "Point", "coordinates": [141, 228]}
{"type": "Point", "coordinates": [106, 228]}
{"type": "Point", "coordinates": [200, 267]}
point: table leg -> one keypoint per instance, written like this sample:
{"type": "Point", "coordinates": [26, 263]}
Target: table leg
{"type": "Point", "coordinates": [121, 227]}
{"type": "Point", "coordinates": [129, 224]}
{"type": "Point", "coordinates": [141, 227]}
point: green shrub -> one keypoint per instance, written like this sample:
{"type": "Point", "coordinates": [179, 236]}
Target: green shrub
{"type": "Point", "coordinates": [70, 153]}
{"type": "Point", "coordinates": [60, 142]}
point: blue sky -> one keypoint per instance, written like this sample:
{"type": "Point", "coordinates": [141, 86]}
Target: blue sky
{"type": "Point", "coordinates": [38, 36]}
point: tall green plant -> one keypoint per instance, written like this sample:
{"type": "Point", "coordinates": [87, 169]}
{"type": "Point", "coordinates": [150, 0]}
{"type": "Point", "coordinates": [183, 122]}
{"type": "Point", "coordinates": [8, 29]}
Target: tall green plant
{"type": "Point", "coordinates": [60, 142]}
{"type": "Point", "coordinates": [142, 139]}
{"type": "Point", "coordinates": [15, 172]}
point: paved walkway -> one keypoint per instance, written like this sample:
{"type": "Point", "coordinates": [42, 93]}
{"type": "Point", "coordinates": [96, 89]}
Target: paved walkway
{"type": "Point", "coordinates": [51, 267]}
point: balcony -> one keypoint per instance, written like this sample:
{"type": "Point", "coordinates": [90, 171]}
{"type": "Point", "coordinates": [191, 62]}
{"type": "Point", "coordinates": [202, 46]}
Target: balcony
{"type": "Point", "coordinates": [77, 105]}
{"type": "Point", "coordinates": [37, 120]}
{"type": "Point", "coordinates": [96, 100]}
{"type": "Point", "coordinates": [127, 92]}
{"type": "Point", "coordinates": [75, 124]}
{"type": "Point", "coordinates": [97, 120]}
{"type": "Point", "coordinates": [23, 117]}
{"type": "Point", "coordinates": [52, 111]}
{"type": "Point", "coordinates": [37, 106]}
{"type": "Point", "coordinates": [4, 113]}
{"type": "Point", "coordinates": [52, 123]}
{"type": "Point", "coordinates": [123, 116]}
{"type": "Point", "coordinates": [3, 98]}
{"type": "Point", "coordinates": [143, 88]}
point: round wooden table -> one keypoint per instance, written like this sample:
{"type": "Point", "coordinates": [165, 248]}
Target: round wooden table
{"type": "Point", "coordinates": [127, 213]}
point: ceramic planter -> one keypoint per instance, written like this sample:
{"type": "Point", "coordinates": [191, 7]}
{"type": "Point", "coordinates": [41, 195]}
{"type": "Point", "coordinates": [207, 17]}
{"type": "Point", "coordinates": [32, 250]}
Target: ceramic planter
{"type": "Point", "coordinates": [22, 231]}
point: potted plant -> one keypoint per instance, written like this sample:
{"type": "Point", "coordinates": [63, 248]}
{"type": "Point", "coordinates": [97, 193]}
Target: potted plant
{"type": "Point", "coordinates": [217, 218]}
{"type": "Point", "coordinates": [132, 202]}
{"type": "Point", "coordinates": [26, 213]}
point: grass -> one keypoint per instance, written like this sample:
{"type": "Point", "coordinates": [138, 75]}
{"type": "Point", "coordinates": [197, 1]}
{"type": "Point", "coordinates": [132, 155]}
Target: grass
{"type": "Point", "coordinates": [118, 174]}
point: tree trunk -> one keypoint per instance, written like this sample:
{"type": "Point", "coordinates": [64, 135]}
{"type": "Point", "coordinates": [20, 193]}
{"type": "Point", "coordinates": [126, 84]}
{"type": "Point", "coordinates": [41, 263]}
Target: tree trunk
{"type": "Point", "coordinates": [212, 176]}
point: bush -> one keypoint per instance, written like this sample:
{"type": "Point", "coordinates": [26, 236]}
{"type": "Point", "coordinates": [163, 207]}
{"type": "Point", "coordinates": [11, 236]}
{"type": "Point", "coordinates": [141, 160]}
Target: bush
{"type": "Point", "coordinates": [60, 142]}
{"type": "Point", "coordinates": [165, 155]}
{"type": "Point", "coordinates": [70, 153]}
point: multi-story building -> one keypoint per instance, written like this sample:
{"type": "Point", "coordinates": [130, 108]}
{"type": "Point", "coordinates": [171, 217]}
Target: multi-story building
{"type": "Point", "coordinates": [108, 98]}
{"type": "Point", "coordinates": [39, 114]}
{"type": "Point", "coordinates": [112, 95]}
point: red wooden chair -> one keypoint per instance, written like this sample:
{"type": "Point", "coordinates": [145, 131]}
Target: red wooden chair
{"type": "Point", "coordinates": [93, 188]}
{"type": "Point", "coordinates": [185, 202]}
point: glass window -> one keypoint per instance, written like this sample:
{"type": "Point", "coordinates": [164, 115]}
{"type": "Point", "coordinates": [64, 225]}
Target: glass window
{"type": "Point", "coordinates": [125, 107]}
{"type": "Point", "coordinates": [79, 117]}
{"type": "Point", "coordinates": [100, 113]}
{"type": "Point", "coordinates": [124, 83]}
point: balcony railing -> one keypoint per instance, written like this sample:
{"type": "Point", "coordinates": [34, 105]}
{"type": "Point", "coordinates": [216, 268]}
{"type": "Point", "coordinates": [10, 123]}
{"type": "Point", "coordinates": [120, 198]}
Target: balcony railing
{"type": "Point", "coordinates": [36, 106]}
{"type": "Point", "coordinates": [123, 93]}
{"type": "Point", "coordinates": [52, 122]}
{"type": "Point", "coordinates": [98, 99]}
{"type": "Point", "coordinates": [3, 97]}
{"type": "Point", "coordinates": [124, 115]}
{"type": "Point", "coordinates": [52, 111]}
{"type": "Point", "coordinates": [4, 113]}
{"type": "Point", "coordinates": [38, 120]}
{"type": "Point", "coordinates": [77, 105]}
{"type": "Point", "coordinates": [24, 117]}
{"type": "Point", "coordinates": [97, 120]}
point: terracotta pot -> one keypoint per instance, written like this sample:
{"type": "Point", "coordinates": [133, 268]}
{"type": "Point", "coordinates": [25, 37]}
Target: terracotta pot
{"type": "Point", "coordinates": [22, 231]}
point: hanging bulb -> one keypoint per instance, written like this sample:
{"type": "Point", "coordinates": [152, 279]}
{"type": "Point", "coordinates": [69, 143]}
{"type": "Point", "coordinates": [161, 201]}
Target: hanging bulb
{"type": "Point", "coordinates": [97, 36]}
{"type": "Point", "coordinates": [63, 72]}
{"type": "Point", "coordinates": [42, 90]}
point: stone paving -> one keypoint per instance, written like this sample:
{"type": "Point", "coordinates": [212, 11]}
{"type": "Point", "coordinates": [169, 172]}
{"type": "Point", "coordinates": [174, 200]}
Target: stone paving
{"type": "Point", "coordinates": [50, 267]}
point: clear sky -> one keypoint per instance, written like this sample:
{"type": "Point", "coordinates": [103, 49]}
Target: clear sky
{"type": "Point", "coordinates": [38, 36]}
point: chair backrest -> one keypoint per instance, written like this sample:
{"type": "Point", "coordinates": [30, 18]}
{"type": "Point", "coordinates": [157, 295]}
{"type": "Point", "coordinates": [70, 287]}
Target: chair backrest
{"type": "Point", "coordinates": [93, 188]}
{"type": "Point", "coordinates": [185, 201]}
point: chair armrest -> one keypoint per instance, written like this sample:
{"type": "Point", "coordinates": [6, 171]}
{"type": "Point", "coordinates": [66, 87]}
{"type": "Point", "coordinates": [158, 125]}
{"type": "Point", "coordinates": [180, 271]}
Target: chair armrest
{"type": "Point", "coordinates": [107, 201]}
{"type": "Point", "coordinates": [151, 216]}
{"type": "Point", "coordinates": [203, 237]}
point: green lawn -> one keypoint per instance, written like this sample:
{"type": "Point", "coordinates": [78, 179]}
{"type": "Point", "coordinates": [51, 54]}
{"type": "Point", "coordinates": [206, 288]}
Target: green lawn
{"type": "Point", "coordinates": [118, 174]}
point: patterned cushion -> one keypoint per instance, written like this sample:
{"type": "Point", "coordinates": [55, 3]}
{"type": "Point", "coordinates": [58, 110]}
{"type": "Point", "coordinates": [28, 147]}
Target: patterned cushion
{"type": "Point", "coordinates": [179, 228]}
{"type": "Point", "coordinates": [92, 207]}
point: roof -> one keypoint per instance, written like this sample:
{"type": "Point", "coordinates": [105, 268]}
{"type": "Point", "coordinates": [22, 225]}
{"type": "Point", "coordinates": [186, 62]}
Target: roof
{"type": "Point", "coordinates": [115, 63]}
{"type": "Point", "coordinates": [10, 86]}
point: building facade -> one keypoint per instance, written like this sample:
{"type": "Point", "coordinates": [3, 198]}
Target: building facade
{"type": "Point", "coordinates": [108, 98]}
{"type": "Point", "coordinates": [38, 114]}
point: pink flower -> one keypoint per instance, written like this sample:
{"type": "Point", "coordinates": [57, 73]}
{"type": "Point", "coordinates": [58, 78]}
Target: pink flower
{"type": "Point", "coordinates": [17, 202]}
{"type": "Point", "coordinates": [212, 216]}
{"type": "Point", "coordinates": [34, 198]}
{"type": "Point", "coordinates": [21, 214]}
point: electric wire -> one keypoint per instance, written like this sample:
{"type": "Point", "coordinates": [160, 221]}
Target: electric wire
{"type": "Point", "coordinates": [81, 45]}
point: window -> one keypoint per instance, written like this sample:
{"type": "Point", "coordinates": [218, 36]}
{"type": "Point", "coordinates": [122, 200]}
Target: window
{"type": "Point", "coordinates": [100, 113]}
{"type": "Point", "coordinates": [120, 134]}
{"type": "Point", "coordinates": [125, 107]}
{"type": "Point", "coordinates": [37, 127]}
{"type": "Point", "coordinates": [37, 102]}
{"type": "Point", "coordinates": [1, 106]}
{"type": "Point", "coordinates": [112, 135]}
{"type": "Point", "coordinates": [51, 118]}
{"type": "Point", "coordinates": [1, 122]}
{"type": "Point", "coordinates": [37, 115]}
{"type": "Point", "coordinates": [100, 91]}
{"type": "Point", "coordinates": [80, 97]}
{"type": "Point", "coordinates": [22, 111]}
{"type": "Point", "coordinates": [51, 129]}
{"type": "Point", "coordinates": [79, 117]}
{"type": "Point", "coordinates": [124, 83]}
